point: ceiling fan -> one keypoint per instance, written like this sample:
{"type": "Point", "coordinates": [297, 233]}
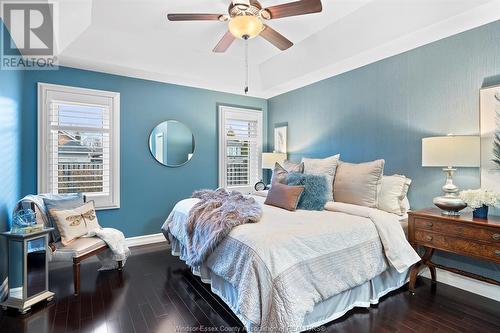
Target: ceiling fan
{"type": "Point", "coordinates": [246, 20]}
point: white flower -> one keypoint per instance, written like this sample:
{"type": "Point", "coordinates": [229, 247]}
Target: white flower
{"type": "Point", "coordinates": [477, 198]}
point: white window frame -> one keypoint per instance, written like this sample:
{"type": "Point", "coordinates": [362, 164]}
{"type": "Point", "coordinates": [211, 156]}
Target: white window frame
{"type": "Point", "coordinates": [243, 114]}
{"type": "Point", "coordinates": [84, 96]}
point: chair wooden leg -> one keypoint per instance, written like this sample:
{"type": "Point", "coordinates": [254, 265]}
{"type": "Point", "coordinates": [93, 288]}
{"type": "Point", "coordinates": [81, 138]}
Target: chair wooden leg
{"type": "Point", "coordinates": [76, 277]}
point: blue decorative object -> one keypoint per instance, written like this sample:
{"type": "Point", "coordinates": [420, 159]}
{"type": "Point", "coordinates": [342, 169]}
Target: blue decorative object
{"type": "Point", "coordinates": [481, 212]}
{"type": "Point", "coordinates": [315, 193]}
{"type": "Point", "coordinates": [23, 218]}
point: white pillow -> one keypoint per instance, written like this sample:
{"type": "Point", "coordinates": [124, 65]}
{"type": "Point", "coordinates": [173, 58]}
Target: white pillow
{"type": "Point", "coordinates": [406, 204]}
{"type": "Point", "coordinates": [323, 166]}
{"type": "Point", "coordinates": [358, 183]}
{"type": "Point", "coordinates": [76, 222]}
{"type": "Point", "coordinates": [392, 194]}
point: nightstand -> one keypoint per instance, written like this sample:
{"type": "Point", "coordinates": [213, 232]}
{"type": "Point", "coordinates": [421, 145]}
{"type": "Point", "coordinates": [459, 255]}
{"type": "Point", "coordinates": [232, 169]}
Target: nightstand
{"type": "Point", "coordinates": [463, 235]}
{"type": "Point", "coordinates": [28, 281]}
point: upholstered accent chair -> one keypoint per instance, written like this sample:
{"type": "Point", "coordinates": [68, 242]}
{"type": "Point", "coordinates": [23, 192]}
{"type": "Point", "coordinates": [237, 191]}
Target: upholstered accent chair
{"type": "Point", "coordinates": [75, 252]}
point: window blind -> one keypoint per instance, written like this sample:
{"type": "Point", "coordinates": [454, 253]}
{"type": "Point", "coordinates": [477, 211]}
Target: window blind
{"type": "Point", "coordinates": [79, 148]}
{"type": "Point", "coordinates": [240, 146]}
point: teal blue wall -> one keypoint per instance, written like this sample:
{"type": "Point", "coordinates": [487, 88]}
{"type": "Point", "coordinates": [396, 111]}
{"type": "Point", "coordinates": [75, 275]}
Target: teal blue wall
{"type": "Point", "coordinates": [148, 189]}
{"type": "Point", "coordinates": [384, 109]}
{"type": "Point", "coordinates": [10, 150]}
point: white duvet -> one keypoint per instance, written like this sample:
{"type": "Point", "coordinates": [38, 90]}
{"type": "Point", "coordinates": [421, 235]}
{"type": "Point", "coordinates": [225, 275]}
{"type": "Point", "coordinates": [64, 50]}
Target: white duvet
{"type": "Point", "coordinates": [289, 261]}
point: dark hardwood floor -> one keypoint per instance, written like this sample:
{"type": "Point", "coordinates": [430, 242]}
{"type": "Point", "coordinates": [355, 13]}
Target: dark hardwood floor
{"type": "Point", "coordinates": [157, 294]}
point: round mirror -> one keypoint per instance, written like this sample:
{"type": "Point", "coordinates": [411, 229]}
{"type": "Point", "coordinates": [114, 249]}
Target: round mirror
{"type": "Point", "coordinates": [171, 143]}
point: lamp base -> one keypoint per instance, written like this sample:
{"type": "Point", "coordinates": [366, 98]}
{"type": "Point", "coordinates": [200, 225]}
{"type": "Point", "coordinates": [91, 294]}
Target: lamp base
{"type": "Point", "coordinates": [450, 205]}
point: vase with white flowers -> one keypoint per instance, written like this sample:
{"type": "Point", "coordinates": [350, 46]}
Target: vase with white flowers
{"type": "Point", "coordinates": [479, 201]}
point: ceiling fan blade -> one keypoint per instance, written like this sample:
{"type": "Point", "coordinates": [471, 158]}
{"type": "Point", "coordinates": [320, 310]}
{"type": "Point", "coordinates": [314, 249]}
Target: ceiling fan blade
{"type": "Point", "coordinates": [300, 7]}
{"type": "Point", "coordinates": [275, 38]}
{"type": "Point", "coordinates": [194, 17]}
{"type": "Point", "coordinates": [224, 43]}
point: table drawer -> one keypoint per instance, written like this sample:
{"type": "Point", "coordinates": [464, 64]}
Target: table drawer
{"type": "Point", "coordinates": [459, 229]}
{"type": "Point", "coordinates": [458, 245]}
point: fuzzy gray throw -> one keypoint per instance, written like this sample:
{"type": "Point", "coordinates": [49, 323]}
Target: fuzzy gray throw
{"type": "Point", "coordinates": [213, 217]}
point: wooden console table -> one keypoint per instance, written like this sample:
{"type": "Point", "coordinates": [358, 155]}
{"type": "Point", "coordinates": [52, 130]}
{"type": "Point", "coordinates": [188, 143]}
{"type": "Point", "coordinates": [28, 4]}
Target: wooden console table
{"type": "Point", "coordinates": [464, 235]}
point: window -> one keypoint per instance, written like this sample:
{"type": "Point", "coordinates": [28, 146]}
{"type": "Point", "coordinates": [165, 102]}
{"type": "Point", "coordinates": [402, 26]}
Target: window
{"type": "Point", "coordinates": [79, 143]}
{"type": "Point", "coordinates": [240, 148]}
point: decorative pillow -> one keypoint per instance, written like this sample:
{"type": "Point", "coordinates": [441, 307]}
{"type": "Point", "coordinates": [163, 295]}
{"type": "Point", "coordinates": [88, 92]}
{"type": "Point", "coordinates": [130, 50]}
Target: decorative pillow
{"type": "Point", "coordinates": [280, 173]}
{"type": "Point", "coordinates": [358, 183]}
{"type": "Point", "coordinates": [76, 222]}
{"type": "Point", "coordinates": [393, 190]}
{"type": "Point", "coordinates": [323, 166]}
{"type": "Point", "coordinates": [59, 202]}
{"type": "Point", "coordinates": [284, 196]}
{"type": "Point", "coordinates": [316, 190]}
{"type": "Point", "coordinates": [293, 167]}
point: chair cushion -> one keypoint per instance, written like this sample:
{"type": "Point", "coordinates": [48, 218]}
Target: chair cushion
{"type": "Point", "coordinates": [76, 222]}
{"type": "Point", "coordinates": [60, 201]}
{"type": "Point", "coordinates": [76, 248]}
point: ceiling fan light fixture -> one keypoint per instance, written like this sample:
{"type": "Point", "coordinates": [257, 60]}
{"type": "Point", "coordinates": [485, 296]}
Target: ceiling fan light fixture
{"type": "Point", "coordinates": [245, 26]}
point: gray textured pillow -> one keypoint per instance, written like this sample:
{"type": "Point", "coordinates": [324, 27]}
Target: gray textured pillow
{"type": "Point", "coordinates": [280, 173]}
{"type": "Point", "coordinates": [293, 167]}
{"type": "Point", "coordinates": [323, 166]}
{"type": "Point", "coordinates": [358, 183]}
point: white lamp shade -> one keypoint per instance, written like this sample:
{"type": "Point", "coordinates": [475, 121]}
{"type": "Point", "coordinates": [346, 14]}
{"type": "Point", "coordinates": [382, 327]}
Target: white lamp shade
{"type": "Point", "coordinates": [270, 159]}
{"type": "Point", "coordinates": [452, 151]}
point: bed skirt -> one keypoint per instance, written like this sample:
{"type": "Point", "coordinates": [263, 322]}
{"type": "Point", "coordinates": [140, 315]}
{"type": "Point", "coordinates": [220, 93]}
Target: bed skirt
{"type": "Point", "coordinates": [325, 311]}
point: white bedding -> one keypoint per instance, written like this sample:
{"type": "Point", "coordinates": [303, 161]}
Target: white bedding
{"type": "Point", "coordinates": [288, 262]}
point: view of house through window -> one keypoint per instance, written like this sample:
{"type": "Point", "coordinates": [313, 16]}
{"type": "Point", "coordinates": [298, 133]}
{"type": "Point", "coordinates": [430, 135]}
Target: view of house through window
{"type": "Point", "coordinates": [79, 143]}
{"type": "Point", "coordinates": [239, 135]}
{"type": "Point", "coordinates": [82, 159]}
{"type": "Point", "coordinates": [240, 148]}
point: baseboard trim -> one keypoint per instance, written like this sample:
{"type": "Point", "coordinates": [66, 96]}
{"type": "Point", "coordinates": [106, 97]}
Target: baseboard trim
{"type": "Point", "coordinates": [145, 239]}
{"type": "Point", "coordinates": [4, 290]}
{"type": "Point", "coordinates": [463, 282]}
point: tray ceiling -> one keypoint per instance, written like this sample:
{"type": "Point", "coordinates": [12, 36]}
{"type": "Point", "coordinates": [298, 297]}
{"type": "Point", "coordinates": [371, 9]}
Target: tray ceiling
{"type": "Point", "coordinates": [134, 38]}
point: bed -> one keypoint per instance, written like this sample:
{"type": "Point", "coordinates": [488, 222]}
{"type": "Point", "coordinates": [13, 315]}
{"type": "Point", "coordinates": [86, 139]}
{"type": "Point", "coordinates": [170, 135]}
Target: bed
{"type": "Point", "coordinates": [293, 271]}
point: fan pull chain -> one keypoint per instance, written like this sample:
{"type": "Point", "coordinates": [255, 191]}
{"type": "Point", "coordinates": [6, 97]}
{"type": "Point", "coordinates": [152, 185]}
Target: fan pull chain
{"type": "Point", "coordinates": [246, 64]}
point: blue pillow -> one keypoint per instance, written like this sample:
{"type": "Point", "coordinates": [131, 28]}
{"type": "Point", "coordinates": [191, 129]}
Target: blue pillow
{"type": "Point", "coordinates": [315, 193]}
{"type": "Point", "coordinates": [67, 201]}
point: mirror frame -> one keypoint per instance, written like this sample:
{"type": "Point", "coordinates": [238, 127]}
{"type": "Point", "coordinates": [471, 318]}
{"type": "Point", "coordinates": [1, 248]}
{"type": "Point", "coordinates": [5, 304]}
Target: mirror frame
{"type": "Point", "coordinates": [151, 152]}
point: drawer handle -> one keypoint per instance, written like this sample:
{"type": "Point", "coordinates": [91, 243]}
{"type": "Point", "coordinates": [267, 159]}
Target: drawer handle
{"type": "Point", "coordinates": [430, 224]}
{"type": "Point", "coordinates": [428, 238]}
{"type": "Point", "coordinates": [495, 236]}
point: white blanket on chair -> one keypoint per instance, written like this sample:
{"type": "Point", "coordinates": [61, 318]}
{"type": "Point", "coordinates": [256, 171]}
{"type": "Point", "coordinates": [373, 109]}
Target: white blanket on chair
{"type": "Point", "coordinates": [118, 249]}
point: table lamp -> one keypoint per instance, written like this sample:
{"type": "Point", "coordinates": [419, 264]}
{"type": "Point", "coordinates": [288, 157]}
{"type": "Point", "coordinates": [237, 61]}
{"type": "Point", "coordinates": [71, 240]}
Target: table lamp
{"type": "Point", "coordinates": [449, 152]}
{"type": "Point", "coordinates": [270, 159]}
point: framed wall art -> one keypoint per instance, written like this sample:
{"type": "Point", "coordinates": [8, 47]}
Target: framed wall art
{"type": "Point", "coordinates": [490, 138]}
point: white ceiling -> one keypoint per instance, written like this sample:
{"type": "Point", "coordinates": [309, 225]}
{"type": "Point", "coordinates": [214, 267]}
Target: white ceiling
{"type": "Point", "coordinates": [134, 38]}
